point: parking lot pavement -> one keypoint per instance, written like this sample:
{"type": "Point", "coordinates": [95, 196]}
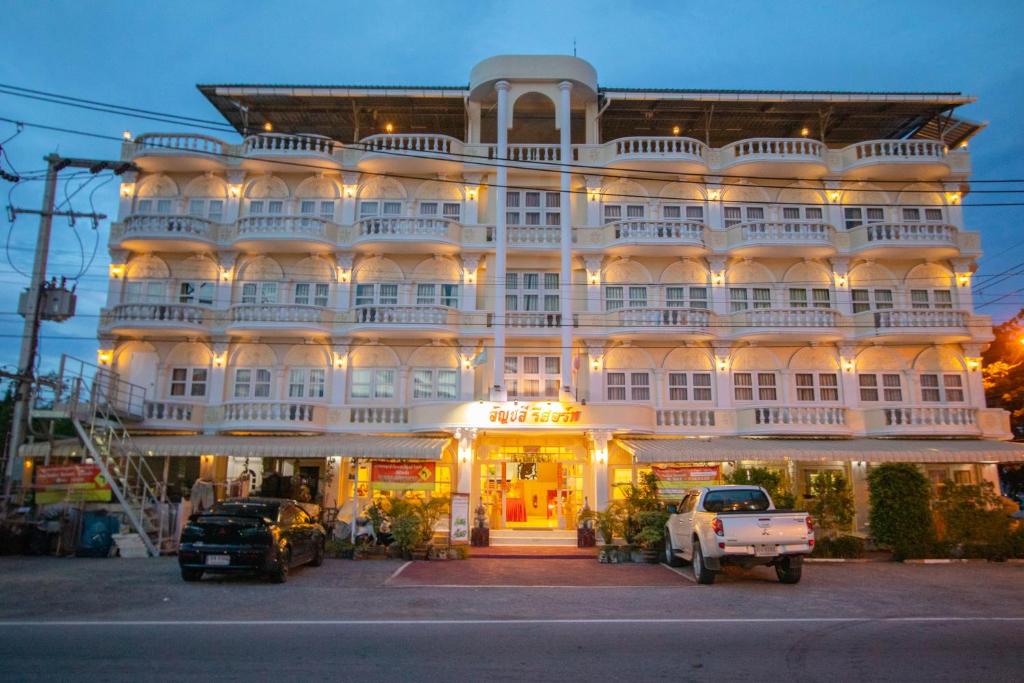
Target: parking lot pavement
{"type": "Point", "coordinates": [532, 572]}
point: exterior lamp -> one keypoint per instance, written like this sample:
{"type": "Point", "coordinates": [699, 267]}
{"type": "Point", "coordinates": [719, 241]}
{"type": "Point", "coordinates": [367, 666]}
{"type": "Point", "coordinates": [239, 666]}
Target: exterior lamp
{"type": "Point", "coordinates": [268, 126]}
{"type": "Point", "coordinates": [953, 197]}
{"type": "Point", "coordinates": [963, 279]}
{"type": "Point", "coordinates": [601, 456]}
{"type": "Point", "coordinates": [389, 128]}
{"type": "Point", "coordinates": [973, 364]}
{"type": "Point", "coordinates": [834, 195]}
{"type": "Point", "coordinates": [234, 191]}
{"type": "Point", "coordinates": [593, 194]}
{"type": "Point", "coordinates": [127, 190]}
{"type": "Point", "coordinates": [595, 363]}
{"type": "Point", "coordinates": [718, 278]}
{"type": "Point", "coordinates": [841, 280]}
{"type": "Point", "coordinates": [117, 270]}
{"type": "Point", "coordinates": [225, 275]}
{"type": "Point", "coordinates": [471, 193]}
{"type": "Point", "coordinates": [675, 130]}
{"type": "Point", "coordinates": [469, 276]}
{"type": "Point", "coordinates": [722, 363]}
{"type": "Point", "coordinates": [804, 132]}
{"type": "Point", "coordinates": [104, 356]}
{"type": "Point", "coordinates": [963, 145]}
{"type": "Point", "coordinates": [344, 274]}
{"type": "Point", "coordinates": [127, 135]}
{"type": "Point", "coordinates": [714, 195]}
{"type": "Point", "coordinates": [848, 365]}
{"type": "Point", "coordinates": [349, 191]}
{"type": "Point", "coordinates": [467, 363]}
{"type": "Point", "coordinates": [218, 359]}
{"type": "Point", "coordinates": [339, 360]}
{"type": "Point", "coordinates": [594, 277]}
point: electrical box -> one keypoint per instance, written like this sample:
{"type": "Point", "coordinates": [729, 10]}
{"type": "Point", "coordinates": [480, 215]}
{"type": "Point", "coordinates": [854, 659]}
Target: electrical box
{"type": "Point", "coordinates": [55, 303]}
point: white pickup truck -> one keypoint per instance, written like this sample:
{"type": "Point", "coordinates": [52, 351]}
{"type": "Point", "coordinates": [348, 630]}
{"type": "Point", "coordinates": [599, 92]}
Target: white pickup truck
{"type": "Point", "coordinates": [717, 525]}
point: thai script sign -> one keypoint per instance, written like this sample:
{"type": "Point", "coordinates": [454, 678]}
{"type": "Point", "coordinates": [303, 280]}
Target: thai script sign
{"type": "Point", "coordinates": [59, 483]}
{"type": "Point", "coordinates": [459, 528]}
{"type": "Point", "coordinates": [533, 414]}
{"type": "Point", "coordinates": [674, 480]}
{"type": "Point", "coordinates": [409, 476]}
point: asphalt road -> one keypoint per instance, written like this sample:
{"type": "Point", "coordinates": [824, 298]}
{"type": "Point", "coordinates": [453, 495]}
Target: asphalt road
{"type": "Point", "coordinates": [125, 619]}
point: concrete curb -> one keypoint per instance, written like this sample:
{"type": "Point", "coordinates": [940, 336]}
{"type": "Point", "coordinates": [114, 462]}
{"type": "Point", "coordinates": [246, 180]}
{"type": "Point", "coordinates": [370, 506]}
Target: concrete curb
{"type": "Point", "coordinates": [841, 560]}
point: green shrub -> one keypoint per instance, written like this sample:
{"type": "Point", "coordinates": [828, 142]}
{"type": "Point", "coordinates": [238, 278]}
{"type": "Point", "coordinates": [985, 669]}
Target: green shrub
{"type": "Point", "coordinates": [1016, 542]}
{"type": "Point", "coordinates": [636, 500]}
{"type": "Point", "coordinates": [845, 547]}
{"type": "Point", "coordinates": [773, 481]}
{"type": "Point", "coordinates": [832, 508]}
{"type": "Point", "coordinates": [652, 529]}
{"type": "Point", "coordinates": [900, 516]}
{"type": "Point", "coordinates": [334, 547]}
{"type": "Point", "coordinates": [972, 521]}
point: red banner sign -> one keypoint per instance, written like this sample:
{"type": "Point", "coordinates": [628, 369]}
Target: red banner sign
{"type": "Point", "coordinates": [57, 483]}
{"type": "Point", "coordinates": [674, 479]}
{"type": "Point", "coordinates": [404, 475]}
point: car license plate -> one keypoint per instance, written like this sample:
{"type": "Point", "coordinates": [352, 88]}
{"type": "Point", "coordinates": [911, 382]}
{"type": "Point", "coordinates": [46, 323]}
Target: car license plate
{"type": "Point", "coordinates": [763, 550]}
{"type": "Point", "coordinates": [218, 560]}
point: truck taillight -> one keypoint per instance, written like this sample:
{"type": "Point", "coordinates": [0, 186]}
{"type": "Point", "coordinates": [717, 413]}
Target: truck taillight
{"type": "Point", "coordinates": [716, 526]}
{"type": "Point", "coordinates": [810, 524]}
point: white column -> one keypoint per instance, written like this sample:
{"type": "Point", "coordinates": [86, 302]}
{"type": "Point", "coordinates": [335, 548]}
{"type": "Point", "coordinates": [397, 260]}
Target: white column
{"type": "Point", "coordinates": [127, 194]}
{"type": "Point", "coordinates": [964, 270]}
{"type": "Point", "coordinates": [118, 273]}
{"type": "Point", "coordinates": [497, 392]}
{"type": "Point", "coordinates": [222, 293]}
{"type": "Point", "coordinates": [595, 371]}
{"type": "Point", "coordinates": [841, 280]}
{"type": "Point", "coordinates": [343, 290]}
{"type": "Point", "coordinates": [719, 292]}
{"type": "Point", "coordinates": [350, 182]}
{"type": "Point", "coordinates": [713, 215]}
{"type": "Point", "coordinates": [723, 377]}
{"type": "Point", "coordinates": [593, 266]}
{"type": "Point", "coordinates": [471, 206]}
{"type": "Point", "coordinates": [218, 374]}
{"type": "Point", "coordinates": [848, 377]}
{"type": "Point", "coordinates": [564, 126]}
{"type": "Point", "coordinates": [467, 297]}
{"type": "Point", "coordinates": [464, 461]}
{"type": "Point", "coordinates": [232, 208]}
{"type": "Point", "coordinates": [339, 367]}
{"type": "Point", "coordinates": [593, 184]}
{"type": "Point", "coordinates": [954, 210]}
{"type": "Point", "coordinates": [975, 389]}
{"type": "Point", "coordinates": [600, 459]}
{"type": "Point", "coordinates": [467, 371]}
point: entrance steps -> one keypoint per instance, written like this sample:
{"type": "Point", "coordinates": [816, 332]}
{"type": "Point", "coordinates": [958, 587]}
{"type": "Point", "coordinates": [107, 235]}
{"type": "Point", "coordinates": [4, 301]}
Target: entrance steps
{"type": "Point", "coordinates": [534, 537]}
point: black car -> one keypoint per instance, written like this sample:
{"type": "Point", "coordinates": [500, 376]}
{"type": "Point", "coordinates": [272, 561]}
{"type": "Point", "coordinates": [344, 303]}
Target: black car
{"type": "Point", "coordinates": [263, 535]}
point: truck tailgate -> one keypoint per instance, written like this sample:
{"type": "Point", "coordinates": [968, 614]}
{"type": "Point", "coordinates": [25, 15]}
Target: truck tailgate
{"type": "Point", "coordinates": [764, 527]}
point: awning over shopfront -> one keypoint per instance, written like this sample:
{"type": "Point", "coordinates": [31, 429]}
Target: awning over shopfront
{"type": "Point", "coordinates": [869, 450]}
{"type": "Point", "coordinates": [333, 445]}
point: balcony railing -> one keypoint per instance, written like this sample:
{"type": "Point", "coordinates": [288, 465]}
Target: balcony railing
{"type": "Point", "coordinates": [277, 313]}
{"type": "Point", "coordinates": [172, 143]}
{"type": "Point", "coordinates": [402, 315]}
{"type": "Point", "coordinates": [938, 416]}
{"type": "Point", "coordinates": [685, 418]}
{"type": "Point", "coordinates": [775, 149]}
{"type": "Point", "coordinates": [921, 151]}
{"type": "Point", "coordinates": [172, 413]}
{"type": "Point", "coordinates": [403, 227]}
{"type": "Point", "coordinates": [912, 233]}
{"type": "Point", "coordinates": [785, 233]}
{"type": "Point", "coordinates": [273, 413]}
{"type": "Point", "coordinates": [168, 226]}
{"type": "Point", "coordinates": [291, 145]}
{"type": "Point", "coordinates": [667, 231]}
{"type": "Point", "coordinates": [529, 320]}
{"type": "Point", "coordinates": [657, 148]}
{"type": "Point", "coordinates": [920, 317]}
{"type": "Point", "coordinates": [400, 143]}
{"type": "Point", "coordinates": [378, 415]}
{"type": "Point", "coordinates": [532, 153]}
{"type": "Point", "coordinates": [285, 226]}
{"type": "Point", "coordinates": [790, 317]}
{"type": "Point", "coordinates": [800, 416]}
{"type": "Point", "coordinates": [674, 318]}
{"type": "Point", "coordinates": [170, 314]}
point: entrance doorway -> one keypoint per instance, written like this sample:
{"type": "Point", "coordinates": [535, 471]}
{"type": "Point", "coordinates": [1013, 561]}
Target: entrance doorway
{"type": "Point", "coordinates": [532, 487]}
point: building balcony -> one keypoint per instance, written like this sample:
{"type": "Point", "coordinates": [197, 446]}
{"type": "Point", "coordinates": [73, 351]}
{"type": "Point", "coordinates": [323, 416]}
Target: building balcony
{"type": "Point", "coordinates": [159, 232]}
{"type": "Point", "coordinates": [261, 151]}
{"type": "Point", "coordinates": [520, 156]}
{"type": "Point", "coordinates": [173, 415]}
{"type": "Point", "coordinates": [175, 152]}
{"type": "Point", "coordinates": [916, 325]}
{"type": "Point", "coordinates": [262, 318]}
{"type": "Point", "coordinates": [679, 155]}
{"type": "Point", "coordinates": [277, 416]}
{"type": "Point", "coordinates": [406, 234]}
{"type": "Point", "coordinates": [817, 324]}
{"type": "Point", "coordinates": [896, 160]}
{"type": "Point", "coordinates": [903, 240]}
{"type": "Point", "coordinates": [410, 153]}
{"type": "Point", "coordinates": [301, 234]}
{"type": "Point", "coordinates": [671, 322]}
{"type": "Point", "coordinates": [814, 240]}
{"type": "Point", "coordinates": [691, 420]}
{"type": "Point", "coordinates": [935, 420]}
{"type": "Point", "coordinates": [402, 320]}
{"type": "Point", "coordinates": [378, 416]}
{"type": "Point", "coordinates": [139, 319]}
{"type": "Point", "coordinates": [797, 157]}
{"type": "Point", "coordinates": [526, 323]}
{"type": "Point", "coordinates": [795, 420]}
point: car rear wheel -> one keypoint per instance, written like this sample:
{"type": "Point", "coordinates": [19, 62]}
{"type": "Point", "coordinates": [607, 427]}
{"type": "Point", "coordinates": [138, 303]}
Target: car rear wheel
{"type": "Point", "coordinates": [279, 574]}
{"type": "Point", "coordinates": [671, 559]}
{"type": "Point", "coordinates": [318, 555]}
{"type": "Point", "coordinates": [701, 574]}
{"type": "Point", "coordinates": [789, 569]}
{"type": "Point", "coordinates": [191, 574]}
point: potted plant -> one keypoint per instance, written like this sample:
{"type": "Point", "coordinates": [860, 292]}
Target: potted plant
{"type": "Point", "coordinates": [651, 536]}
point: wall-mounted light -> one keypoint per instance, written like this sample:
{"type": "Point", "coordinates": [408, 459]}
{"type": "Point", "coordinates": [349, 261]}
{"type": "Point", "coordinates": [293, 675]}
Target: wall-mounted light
{"type": "Point", "coordinates": [349, 191]}
{"type": "Point", "coordinates": [834, 195]}
{"type": "Point", "coordinates": [594, 277]}
{"type": "Point", "coordinates": [595, 363]}
{"type": "Point", "coordinates": [234, 191]}
{"type": "Point", "coordinates": [601, 456]}
{"type": "Point", "coordinates": [675, 130]}
{"type": "Point", "coordinates": [722, 363]}
{"type": "Point", "coordinates": [714, 195]}
{"type": "Point", "coordinates": [467, 362]}
{"type": "Point", "coordinates": [973, 364]}
{"type": "Point", "coordinates": [963, 145]}
{"type": "Point", "coordinates": [219, 359]}
{"type": "Point", "coordinates": [471, 193]}
{"type": "Point", "coordinates": [389, 128]}
{"type": "Point", "coordinates": [841, 279]}
{"type": "Point", "coordinates": [127, 135]}
{"type": "Point", "coordinates": [848, 364]}
{"type": "Point", "coordinates": [268, 126]}
{"type": "Point", "coordinates": [953, 197]}
{"type": "Point", "coordinates": [344, 274]}
{"type": "Point", "coordinates": [804, 132]}
{"type": "Point", "coordinates": [117, 270]}
{"type": "Point", "coordinates": [339, 360]}
{"type": "Point", "coordinates": [469, 276]}
{"type": "Point", "coordinates": [104, 356]}
{"type": "Point", "coordinates": [963, 279]}
{"type": "Point", "coordinates": [225, 275]}
{"type": "Point", "coordinates": [127, 190]}
{"type": "Point", "coordinates": [718, 278]}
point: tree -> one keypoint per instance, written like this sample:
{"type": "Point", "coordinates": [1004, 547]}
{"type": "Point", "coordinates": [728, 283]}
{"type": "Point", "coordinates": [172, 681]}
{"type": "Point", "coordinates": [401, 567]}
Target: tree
{"type": "Point", "coordinates": [900, 516]}
{"type": "Point", "coordinates": [1003, 371]}
{"type": "Point", "coordinates": [833, 504]}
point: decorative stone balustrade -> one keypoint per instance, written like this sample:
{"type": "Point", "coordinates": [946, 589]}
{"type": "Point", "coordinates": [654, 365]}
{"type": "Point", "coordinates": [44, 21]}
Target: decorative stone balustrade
{"type": "Point", "coordinates": [402, 315]}
{"type": "Point", "coordinates": [166, 226]}
{"type": "Point", "coordinates": [532, 153]}
{"type": "Point", "coordinates": [651, 148]}
{"type": "Point", "coordinates": [403, 227]}
{"type": "Point", "coordinates": [532, 235]}
{"type": "Point", "coordinates": [378, 415]}
{"type": "Point", "coordinates": [685, 418]}
{"type": "Point", "coordinates": [169, 314]}
{"type": "Point", "coordinates": [277, 313]}
{"type": "Point", "coordinates": [800, 415]}
{"type": "Point", "coordinates": [530, 319]}
{"type": "Point", "coordinates": [928, 416]}
{"type": "Point", "coordinates": [292, 145]}
{"type": "Point", "coordinates": [172, 143]}
{"type": "Point", "coordinates": [790, 317]}
{"type": "Point", "coordinates": [920, 317]}
{"type": "Point", "coordinates": [777, 149]}
{"type": "Point", "coordinates": [785, 233]}
{"type": "Point", "coordinates": [914, 233]}
{"type": "Point", "coordinates": [171, 412]}
{"type": "Point", "coordinates": [402, 142]}
{"type": "Point", "coordinates": [895, 150]}
{"type": "Point", "coordinates": [691, 318]}
{"type": "Point", "coordinates": [272, 413]}
{"type": "Point", "coordinates": [667, 231]}
{"type": "Point", "coordinates": [286, 226]}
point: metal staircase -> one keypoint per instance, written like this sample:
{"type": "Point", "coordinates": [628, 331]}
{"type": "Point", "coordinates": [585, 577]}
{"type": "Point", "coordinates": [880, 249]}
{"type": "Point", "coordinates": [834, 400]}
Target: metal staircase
{"type": "Point", "coordinates": [99, 404]}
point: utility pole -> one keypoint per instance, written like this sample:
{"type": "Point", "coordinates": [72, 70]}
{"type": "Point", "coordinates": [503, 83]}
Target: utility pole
{"type": "Point", "coordinates": [32, 310]}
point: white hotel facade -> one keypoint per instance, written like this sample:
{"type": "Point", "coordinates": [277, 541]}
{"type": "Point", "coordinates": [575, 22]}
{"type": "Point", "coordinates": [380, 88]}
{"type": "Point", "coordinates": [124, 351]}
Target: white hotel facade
{"type": "Point", "coordinates": [545, 287]}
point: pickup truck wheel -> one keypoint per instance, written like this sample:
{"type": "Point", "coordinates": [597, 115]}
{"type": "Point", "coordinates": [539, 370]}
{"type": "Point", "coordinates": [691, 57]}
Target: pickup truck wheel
{"type": "Point", "coordinates": [788, 569]}
{"type": "Point", "coordinates": [701, 574]}
{"type": "Point", "coordinates": [671, 559]}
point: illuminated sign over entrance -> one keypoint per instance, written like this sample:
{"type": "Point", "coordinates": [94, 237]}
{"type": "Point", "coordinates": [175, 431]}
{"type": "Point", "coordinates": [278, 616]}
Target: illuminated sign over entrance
{"type": "Point", "coordinates": [539, 413]}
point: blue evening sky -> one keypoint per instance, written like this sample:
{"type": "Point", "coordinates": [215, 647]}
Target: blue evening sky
{"type": "Point", "coordinates": [150, 55]}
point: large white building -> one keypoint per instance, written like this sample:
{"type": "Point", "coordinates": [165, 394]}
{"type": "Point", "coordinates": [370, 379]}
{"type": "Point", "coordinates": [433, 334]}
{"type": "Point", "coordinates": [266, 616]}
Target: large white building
{"type": "Point", "coordinates": [533, 288]}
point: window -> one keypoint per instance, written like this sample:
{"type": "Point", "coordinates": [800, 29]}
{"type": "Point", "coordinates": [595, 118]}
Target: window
{"type": "Point", "coordinates": [430, 294]}
{"type": "Point", "coordinates": [322, 208]}
{"type": "Point", "coordinates": [686, 297]}
{"type": "Point", "coordinates": [266, 207]}
{"type": "Point", "coordinates": [740, 298]}
{"type": "Point", "coordinates": [533, 208]}
{"type": "Point", "coordinates": [252, 383]}
{"type": "Point", "coordinates": [680, 212]}
{"type": "Point", "coordinates": [639, 385]}
{"type": "Point", "coordinates": [450, 210]}
{"type": "Point", "coordinates": [949, 389]}
{"type": "Point", "coordinates": [798, 297]}
{"type": "Point", "coordinates": [441, 384]}
{"type": "Point", "coordinates": [963, 477]}
{"type": "Point", "coordinates": [212, 209]}
{"type": "Point", "coordinates": [931, 298]}
{"type": "Point", "coordinates": [374, 208]}
{"type": "Point", "coordinates": [914, 215]}
{"type": "Point", "coordinates": [145, 292]}
{"type": "Point", "coordinates": [373, 383]}
{"type": "Point", "coordinates": [734, 215]}
{"type": "Point", "coordinates": [259, 293]}
{"type": "Point", "coordinates": [306, 382]}
{"type": "Point", "coordinates": [150, 206]}
{"type": "Point", "coordinates": [618, 212]}
{"type": "Point", "coordinates": [892, 389]}
{"type": "Point", "coordinates": [689, 386]}
{"type": "Point", "coordinates": [861, 215]}
{"type": "Point", "coordinates": [315, 293]}
{"type": "Point", "coordinates": [533, 376]}
{"type": "Point", "coordinates": [807, 213]}
{"type": "Point", "coordinates": [822, 386]}
{"type": "Point", "coordinates": [871, 300]}
{"type": "Point", "coordinates": [188, 382]}
{"type": "Point", "coordinates": [196, 293]}
{"type": "Point", "coordinates": [376, 294]}
{"type": "Point", "coordinates": [614, 297]}
{"type": "Point", "coordinates": [744, 386]}
{"type": "Point", "coordinates": [524, 292]}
